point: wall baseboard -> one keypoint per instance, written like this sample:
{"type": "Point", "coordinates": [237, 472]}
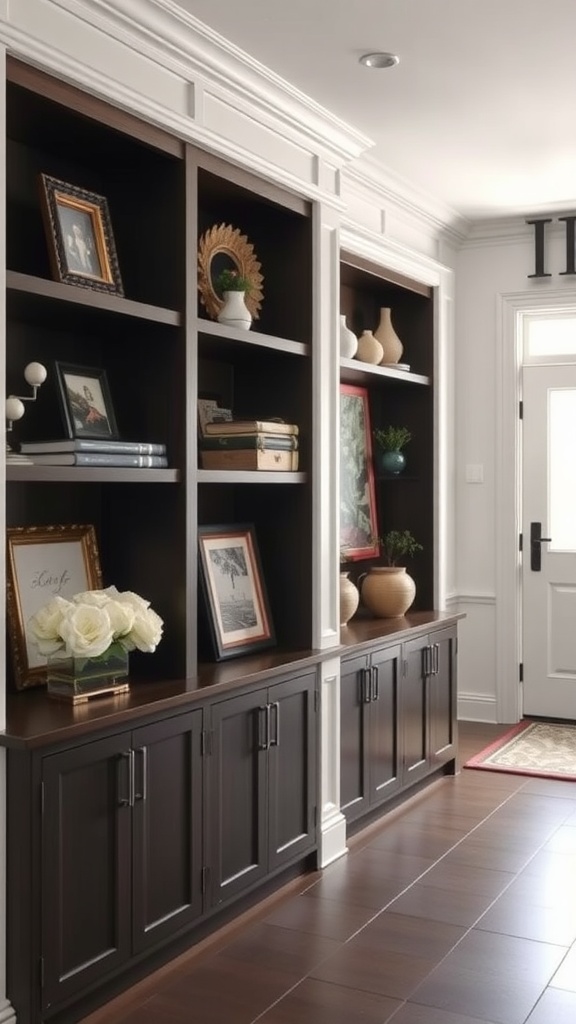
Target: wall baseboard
{"type": "Point", "coordinates": [477, 707]}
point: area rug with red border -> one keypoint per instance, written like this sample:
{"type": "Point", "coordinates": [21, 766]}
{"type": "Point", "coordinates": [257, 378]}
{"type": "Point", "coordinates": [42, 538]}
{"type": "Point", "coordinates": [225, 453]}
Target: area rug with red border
{"type": "Point", "coordinates": [544, 749]}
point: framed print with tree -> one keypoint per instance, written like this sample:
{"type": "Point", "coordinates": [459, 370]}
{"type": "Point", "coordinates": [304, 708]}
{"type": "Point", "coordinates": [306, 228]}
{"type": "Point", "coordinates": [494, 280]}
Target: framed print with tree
{"type": "Point", "coordinates": [85, 402]}
{"type": "Point", "coordinates": [44, 562]}
{"type": "Point", "coordinates": [358, 519]}
{"type": "Point", "coordinates": [80, 239]}
{"type": "Point", "coordinates": [234, 590]}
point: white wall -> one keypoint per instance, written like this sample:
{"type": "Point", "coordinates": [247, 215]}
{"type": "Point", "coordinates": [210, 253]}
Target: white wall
{"type": "Point", "coordinates": [494, 263]}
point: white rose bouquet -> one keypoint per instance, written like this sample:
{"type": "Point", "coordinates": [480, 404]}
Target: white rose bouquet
{"type": "Point", "coordinates": [96, 624]}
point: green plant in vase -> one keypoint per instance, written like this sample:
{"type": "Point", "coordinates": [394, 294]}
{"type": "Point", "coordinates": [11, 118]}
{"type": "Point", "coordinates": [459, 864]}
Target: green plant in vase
{"type": "Point", "coordinates": [231, 281]}
{"type": "Point", "coordinates": [397, 545]}
{"type": "Point", "coordinates": [388, 590]}
{"type": "Point", "coordinates": [390, 441]}
{"type": "Point", "coordinates": [232, 286]}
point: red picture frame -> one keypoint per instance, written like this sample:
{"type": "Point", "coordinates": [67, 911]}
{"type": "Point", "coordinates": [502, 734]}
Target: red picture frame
{"type": "Point", "coordinates": [358, 517]}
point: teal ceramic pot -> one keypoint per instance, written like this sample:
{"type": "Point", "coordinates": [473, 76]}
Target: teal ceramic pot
{"type": "Point", "coordinates": [392, 462]}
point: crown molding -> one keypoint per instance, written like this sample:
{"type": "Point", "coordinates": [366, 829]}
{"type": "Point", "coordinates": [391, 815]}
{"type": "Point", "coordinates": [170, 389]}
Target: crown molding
{"type": "Point", "coordinates": [175, 39]}
{"type": "Point", "coordinates": [370, 175]}
{"type": "Point", "coordinates": [512, 230]}
{"type": "Point", "coordinates": [394, 255]}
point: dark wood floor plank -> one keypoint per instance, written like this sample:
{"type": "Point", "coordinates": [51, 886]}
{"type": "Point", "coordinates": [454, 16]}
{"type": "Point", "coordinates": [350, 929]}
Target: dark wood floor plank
{"type": "Point", "coordinates": [321, 1002]}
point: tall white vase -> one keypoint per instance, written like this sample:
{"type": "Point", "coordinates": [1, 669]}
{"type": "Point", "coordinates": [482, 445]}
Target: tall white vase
{"type": "Point", "coordinates": [348, 340]}
{"type": "Point", "coordinates": [386, 335]}
{"type": "Point", "coordinates": [234, 312]}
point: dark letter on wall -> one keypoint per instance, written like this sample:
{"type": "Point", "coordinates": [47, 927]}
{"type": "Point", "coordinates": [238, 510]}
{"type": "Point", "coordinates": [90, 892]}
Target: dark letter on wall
{"type": "Point", "coordinates": [570, 267]}
{"type": "Point", "coordinates": [539, 247]}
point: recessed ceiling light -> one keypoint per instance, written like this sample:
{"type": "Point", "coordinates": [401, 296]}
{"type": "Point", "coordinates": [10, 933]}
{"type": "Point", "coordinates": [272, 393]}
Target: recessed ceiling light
{"type": "Point", "coordinates": [379, 60]}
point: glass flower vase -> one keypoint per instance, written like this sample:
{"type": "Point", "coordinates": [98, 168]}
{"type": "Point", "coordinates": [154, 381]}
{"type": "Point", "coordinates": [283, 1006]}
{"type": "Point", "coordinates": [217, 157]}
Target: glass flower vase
{"type": "Point", "coordinates": [79, 679]}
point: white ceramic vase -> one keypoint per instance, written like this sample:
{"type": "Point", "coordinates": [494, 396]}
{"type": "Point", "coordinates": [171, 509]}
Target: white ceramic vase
{"type": "Point", "coordinates": [349, 598]}
{"type": "Point", "coordinates": [348, 340]}
{"type": "Point", "coordinates": [386, 335]}
{"type": "Point", "coordinates": [369, 349]}
{"type": "Point", "coordinates": [235, 312]}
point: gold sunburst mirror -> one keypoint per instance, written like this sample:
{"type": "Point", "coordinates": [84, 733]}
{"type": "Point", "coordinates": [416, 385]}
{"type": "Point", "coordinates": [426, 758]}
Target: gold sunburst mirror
{"type": "Point", "coordinates": [223, 247]}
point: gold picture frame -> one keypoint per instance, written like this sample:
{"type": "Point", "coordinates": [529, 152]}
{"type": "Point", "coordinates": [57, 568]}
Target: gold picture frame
{"type": "Point", "coordinates": [43, 561]}
{"type": "Point", "coordinates": [224, 247]}
{"type": "Point", "coordinates": [80, 239]}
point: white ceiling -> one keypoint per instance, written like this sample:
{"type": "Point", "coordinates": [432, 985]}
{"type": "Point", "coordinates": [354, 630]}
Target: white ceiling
{"type": "Point", "coordinates": [479, 113]}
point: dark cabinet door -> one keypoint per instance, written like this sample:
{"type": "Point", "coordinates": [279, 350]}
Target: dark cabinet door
{"type": "Point", "coordinates": [354, 692]}
{"type": "Point", "coordinates": [383, 752]}
{"type": "Point", "coordinates": [237, 805]}
{"type": "Point", "coordinates": [167, 828]}
{"type": "Point", "coordinates": [369, 749]}
{"type": "Point", "coordinates": [86, 843]}
{"type": "Point", "coordinates": [414, 709]}
{"type": "Point", "coordinates": [291, 769]}
{"type": "Point", "coordinates": [442, 694]}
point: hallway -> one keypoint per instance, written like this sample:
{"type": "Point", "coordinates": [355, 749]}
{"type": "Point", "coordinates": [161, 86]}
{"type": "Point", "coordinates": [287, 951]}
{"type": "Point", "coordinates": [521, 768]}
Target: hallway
{"type": "Point", "coordinates": [458, 908]}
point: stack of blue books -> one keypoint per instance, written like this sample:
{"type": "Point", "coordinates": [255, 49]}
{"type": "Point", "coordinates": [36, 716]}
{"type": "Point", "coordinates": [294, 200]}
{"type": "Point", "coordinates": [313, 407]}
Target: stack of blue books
{"type": "Point", "coordinates": [83, 451]}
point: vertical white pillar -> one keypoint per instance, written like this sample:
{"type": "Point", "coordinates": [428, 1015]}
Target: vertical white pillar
{"type": "Point", "coordinates": [6, 1011]}
{"type": "Point", "coordinates": [326, 626]}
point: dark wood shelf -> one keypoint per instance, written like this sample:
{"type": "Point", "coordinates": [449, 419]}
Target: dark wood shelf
{"type": "Point", "coordinates": [232, 336]}
{"type": "Point", "coordinates": [249, 476]}
{"type": "Point", "coordinates": [354, 372]}
{"type": "Point", "coordinates": [89, 474]}
{"type": "Point", "coordinates": [29, 298]}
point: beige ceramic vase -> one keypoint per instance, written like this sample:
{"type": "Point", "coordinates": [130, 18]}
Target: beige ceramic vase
{"type": "Point", "coordinates": [387, 591]}
{"type": "Point", "coordinates": [386, 335]}
{"type": "Point", "coordinates": [369, 349]}
{"type": "Point", "coordinates": [349, 598]}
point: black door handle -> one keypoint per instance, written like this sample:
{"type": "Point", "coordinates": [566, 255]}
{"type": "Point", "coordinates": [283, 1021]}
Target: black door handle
{"type": "Point", "coordinates": [536, 539]}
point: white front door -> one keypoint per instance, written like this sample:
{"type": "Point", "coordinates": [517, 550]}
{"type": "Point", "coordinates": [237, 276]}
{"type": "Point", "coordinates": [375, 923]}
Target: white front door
{"type": "Point", "coordinates": [549, 540]}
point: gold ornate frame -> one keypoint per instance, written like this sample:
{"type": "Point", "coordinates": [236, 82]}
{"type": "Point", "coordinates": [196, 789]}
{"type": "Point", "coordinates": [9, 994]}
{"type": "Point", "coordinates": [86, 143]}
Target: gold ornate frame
{"type": "Point", "coordinates": [62, 206]}
{"type": "Point", "coordinates": [228, 241]}
{"type": "Point", "coordinates": [65, 561]}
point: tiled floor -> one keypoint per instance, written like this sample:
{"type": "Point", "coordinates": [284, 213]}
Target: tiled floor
{"type": "Point", "coordinates": [458, 908]}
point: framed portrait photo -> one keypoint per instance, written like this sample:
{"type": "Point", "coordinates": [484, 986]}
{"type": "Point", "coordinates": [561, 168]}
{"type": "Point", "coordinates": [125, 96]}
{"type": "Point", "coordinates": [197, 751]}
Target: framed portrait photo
{"type": "Point", "coordinates": [358, 518]}
{"type": "Point", "coordinates": [44, 562]}
{"type": "Point", "coordinates": [85, 402]}
{"type": "Point", "coordinates": [234, 590]}
{"type": "Point", "coordinates": [79, 233]}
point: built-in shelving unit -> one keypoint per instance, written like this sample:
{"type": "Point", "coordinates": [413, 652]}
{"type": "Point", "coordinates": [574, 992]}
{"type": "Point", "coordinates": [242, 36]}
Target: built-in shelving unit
{"type": "Point", "coordinates": [398, 397]}
{"type": "Point", "coordinates": [201, 783]}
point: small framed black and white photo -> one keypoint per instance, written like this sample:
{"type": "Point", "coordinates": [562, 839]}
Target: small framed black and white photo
{"type": "Point", "coordinates": [234, 590]}
{"type": "Point", "coordinates": [86, 402]}
{"type": "Point", "coordinates": [79, 232]}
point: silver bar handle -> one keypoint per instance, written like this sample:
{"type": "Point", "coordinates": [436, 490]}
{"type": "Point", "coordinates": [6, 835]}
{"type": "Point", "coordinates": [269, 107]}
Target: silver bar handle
{"type": "Point", "coordinates": [142, 794]}
{"type": "Point", "coordinates": [275, 707]}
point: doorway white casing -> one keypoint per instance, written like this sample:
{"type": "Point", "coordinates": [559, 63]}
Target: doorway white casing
{"type": "Point", "coordinates": [513, 310]}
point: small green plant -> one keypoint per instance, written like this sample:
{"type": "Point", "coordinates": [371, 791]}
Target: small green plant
{"type": "Point", "coordinates": [392, 439]}
{"type": "Point", "coordinates": [397, 544]}
{"type": "Point", "coordinates": [231, 281]}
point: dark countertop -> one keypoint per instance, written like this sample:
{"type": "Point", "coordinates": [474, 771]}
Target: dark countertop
{"type": "Point", "coordinates": [35, 720]}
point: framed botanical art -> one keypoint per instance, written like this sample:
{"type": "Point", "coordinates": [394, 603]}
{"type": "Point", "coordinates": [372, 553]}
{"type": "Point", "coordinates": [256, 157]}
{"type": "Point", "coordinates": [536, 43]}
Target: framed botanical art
{"type": "Point", "coordinates": [79, 232]}
{"type": "Point", "coordinates": [86, 402]}
{"type": "Point", "coordinates": [44, 562]}
{"type": "Point", "coordinates": [234, 590]}
{"type": "Point", "coordinates": [358, 518]}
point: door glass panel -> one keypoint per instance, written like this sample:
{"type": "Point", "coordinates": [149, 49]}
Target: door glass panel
{"type": "Point", "coordinates": [562, 468]}
{"type": "Point", "coordinates": [552, 337]}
